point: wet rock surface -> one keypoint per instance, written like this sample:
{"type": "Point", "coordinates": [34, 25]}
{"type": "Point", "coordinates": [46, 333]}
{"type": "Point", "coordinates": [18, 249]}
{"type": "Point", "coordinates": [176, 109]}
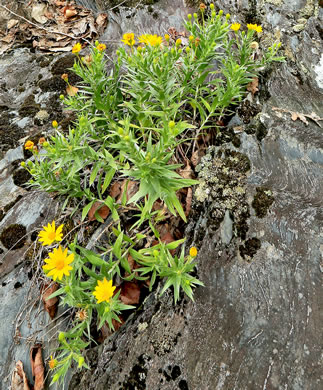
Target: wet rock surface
{"type": "Point", "coordinates": [257, 220]}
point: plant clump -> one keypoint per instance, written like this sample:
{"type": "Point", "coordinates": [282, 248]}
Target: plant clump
{"type": "Point", "coordinates": [134, 124]}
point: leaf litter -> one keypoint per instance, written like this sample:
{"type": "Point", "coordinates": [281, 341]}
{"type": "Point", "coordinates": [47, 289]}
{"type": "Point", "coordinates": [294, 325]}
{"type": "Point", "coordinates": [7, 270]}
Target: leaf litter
{"type": "Point", "coordinates": [51, 25]}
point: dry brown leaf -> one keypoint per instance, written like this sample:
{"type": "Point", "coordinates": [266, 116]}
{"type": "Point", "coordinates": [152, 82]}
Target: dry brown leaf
{"type": "Point", "coordinates": [69, 11]}
{"type": "Point", "coordinates": [52, 303]}
{"type": "Point", "coordinates": [11, 23]}
{"type": "Point", "coordinates": [38, 13]}
{"type": "Point", "coordinates": [102, 210]}
{"type": "Point", "coordinates": [101, 20]}
{"type": "Point", "coordinates": [37, 366]}
{"type": "Point", "coordinates": [297, 115]}
{"type": "Point", "coordinates": [187, 172]}
{"type": "Point", "coordinates": [71, 91]}
{"type": "Point", "coordinates": [115, 189]}
{"type": "Point", "coordinates": [253, 85]}
{"type": "Point", "coordinates": [195, 159]}
{"type": "Point", "coordinates": [59, 2]}
{"type": "Point", "coordinates": [132, 188]}
{"type": "Point", "coordinates": [130, 293]}
{"type": "Point", "coordinates": [189, 198]}
{"type": "Point", "coordinates": [19, 379]}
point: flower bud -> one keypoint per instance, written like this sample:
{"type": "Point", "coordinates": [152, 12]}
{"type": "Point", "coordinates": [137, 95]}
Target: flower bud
{"type": "Point", "coordinates": [178, 42]}
{"type": "Point", "coordinates": [30, 164]}
{"type": "Point", "coordinates": [166, 37]}
{"type": "Point", "coordinates": [126, 138]}
{"type": "Point", "coordinates": [212, 6]}
{"type": "Point", "coordinates": [227, 16]}
{"type": "Point", "coordinates": [221, 12]}
{"type": "Point", "coordinates": [61, 97]}
{"type": "Point", "coordinates": [187, 49]}
{"type": "Point", "coordinates": [171, 124]}
{"type": "Point", "coordinates": [189, 16]}
{"type": "Point", "coordinates": [23, 164]}
{"type": "Point", "coordinates": [191, 38]}
{"type": "Point", "coordinates": [81, 361]}
{"type": "Point", "coordinates": [120, 130]}
{"type": "Point", "coordinates": [55, 124]}
{"type": "Point", "coordinates": [213, 13]}
{"type": "Point", "coordinates": [195, 15]}
{"type": "Point", "coordinates": [154, 160]}
{"type": "Point", "coordinates": [61, 337]}
{"type": "Point", "coordinates": [45, 144]}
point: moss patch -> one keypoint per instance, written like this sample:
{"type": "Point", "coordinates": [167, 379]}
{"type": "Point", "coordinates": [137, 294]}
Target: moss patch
{"type": "Point", "coordinates": [29, 107]}
{"type": "Point", "coordinates": [14, 236]}
{"type": "Point", "coordinates": [263, 199]}
{"type": "Point", "coordinates": [250, 248]}
{"type": "Point", "coordinates": [21, 176]}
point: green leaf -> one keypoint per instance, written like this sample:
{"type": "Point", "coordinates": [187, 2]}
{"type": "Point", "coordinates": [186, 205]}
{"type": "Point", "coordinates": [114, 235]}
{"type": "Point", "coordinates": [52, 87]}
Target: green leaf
{"type": "Point", "coordinates": [86, 209]}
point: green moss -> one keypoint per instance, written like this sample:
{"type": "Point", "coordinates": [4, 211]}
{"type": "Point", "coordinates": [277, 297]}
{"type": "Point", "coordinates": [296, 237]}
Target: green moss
{"type": "Point", "coordinates": [262, 201]}
{"type": "Point", "coordinates": [250, 248]}
{"type": "Point", "coordinates": [29, 107]}
{"type": "Point", "coordinates": [14, 236]}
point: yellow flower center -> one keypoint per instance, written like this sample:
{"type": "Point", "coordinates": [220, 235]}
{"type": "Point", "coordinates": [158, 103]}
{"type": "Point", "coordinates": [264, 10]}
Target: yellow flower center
{"type": "Point", "coordinates": [52, 235]}
{"type": "Point", "coordinates": [60, 263]}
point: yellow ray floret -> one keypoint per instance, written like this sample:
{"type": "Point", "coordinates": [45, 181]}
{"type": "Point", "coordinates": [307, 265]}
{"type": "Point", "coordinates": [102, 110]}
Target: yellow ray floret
{"type": "Point", "coordinates": [76, 48]}
{"type": "Point", "coordinates": [235, 26]}
{"type": "Point", "coordinates": [58, 263]}
{"type": "Point", "coordinates": [50, 234]}
{"type": "Point", "coordinates": [104, 290]}
{"type": "Point", "coordinates": [128, 39]}
{"type": "Point", "coordinates": [152, 40]}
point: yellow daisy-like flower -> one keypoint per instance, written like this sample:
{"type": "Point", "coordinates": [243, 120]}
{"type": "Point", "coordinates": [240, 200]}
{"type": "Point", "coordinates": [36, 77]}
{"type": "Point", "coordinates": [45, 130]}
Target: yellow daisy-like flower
{"type": "Point", "coordinates": [104, 290]}
{"type": "Point", "coordinates": [193, 251]}
{"type": "Point", "coordinates": [55, 124]}
{"type": "Point", "coordinates": [154, 40]}
{"type": "Point", "coordinates": [235, 26]}
{"type": "Point", "coordinates": [101, 47]}
{"type": "Point", "coordinates": [58, 263]}
{"type": "Point", "coordinates": [258, 28]}
{"type": "Point", "coordinates": [77, 48]}
{"type": "Point", "coordinates": [143, 38]}
{"type": "Point", "coordinates": [50, 234]}
{"type": "Point", "coordinates": [52, 363]}
{"type": "Point", "coordinates": [254, 27]}
{"type": "Point", "coordinates": [128, 39]}
{"type": "Point", "coordinates": [29, 145]}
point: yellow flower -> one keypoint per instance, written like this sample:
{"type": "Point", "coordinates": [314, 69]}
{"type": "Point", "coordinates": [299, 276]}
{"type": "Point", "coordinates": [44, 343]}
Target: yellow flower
{"type": "Point", "coordinates": [104, 290]}
{"type": "Point", "coordinates": [29, 145]}
{"type": "Point", "coordinates": [50, 234]}
{"type": "Point", "coordinates": [58, 263]}
{"type": "Point", "coordinates": [193, 251]}
{"type": "Point", "coordinates": [166, 37]}
{"type": "Point", "coordinates": [52, 363]}
{"type": "Point", "coordinates": [77, 48]}
{"type": "Point", "coordinates": [178, 42]}
{"type": "Point", "coordinates": [128, 39]}
{"type": "Point", "coordinates": [101, 47]}
{"type": "Point", "coordinates": [55, 124]}
{"type": "Point", "coordinates": [152, 40]}
{"type": "Point", "coordinates": [254, 27]}
{"type": "Point", "coordinates": [258, 28]}
{"type": "Point", "coordinates": [235, 26]}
